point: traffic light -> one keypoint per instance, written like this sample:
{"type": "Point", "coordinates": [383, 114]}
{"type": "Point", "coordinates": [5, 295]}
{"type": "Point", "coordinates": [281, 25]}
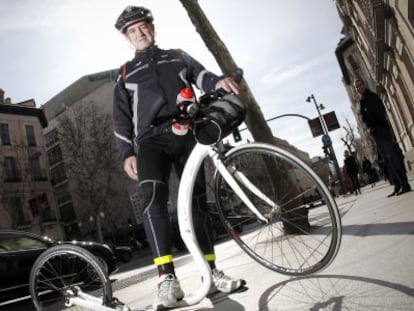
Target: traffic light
{"type": "Point", "coordinates": [236, 135]}
{"type": "Point", "coordinates": [326, 151]}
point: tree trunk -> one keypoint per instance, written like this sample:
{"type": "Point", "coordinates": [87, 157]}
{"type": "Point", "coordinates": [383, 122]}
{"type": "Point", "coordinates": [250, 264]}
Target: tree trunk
{"type": "Point", "coordinates": [255, 120]}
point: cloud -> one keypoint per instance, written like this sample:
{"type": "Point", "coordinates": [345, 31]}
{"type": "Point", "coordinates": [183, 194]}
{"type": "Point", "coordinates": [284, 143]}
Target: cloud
{"type": "Point", "coordinates": [25, 14]}
{"type": "Point", "coordinates": [280, 76]}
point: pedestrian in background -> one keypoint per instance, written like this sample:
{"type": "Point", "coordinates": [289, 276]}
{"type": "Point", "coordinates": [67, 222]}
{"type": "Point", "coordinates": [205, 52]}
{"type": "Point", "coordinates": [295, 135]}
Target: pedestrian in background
{"type": "Point", "coordinates": [369, 171]}
{"type": "Point", "coordinates": [375, 118]}
{"type": "Point", "coordinates": [352, 169]}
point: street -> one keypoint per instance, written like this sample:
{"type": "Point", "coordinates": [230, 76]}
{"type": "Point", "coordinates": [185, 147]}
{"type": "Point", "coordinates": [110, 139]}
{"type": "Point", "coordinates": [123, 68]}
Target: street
{"type": "Point", "coordinates": [373, 270]}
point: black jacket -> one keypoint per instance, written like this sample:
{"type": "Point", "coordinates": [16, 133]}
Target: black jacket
{"type": "Point", "coordinates": [373, 113]}
{"type": "Point", "coordinates": [351, 166]}
{"type": "Point", "coordinates": [145, 97]}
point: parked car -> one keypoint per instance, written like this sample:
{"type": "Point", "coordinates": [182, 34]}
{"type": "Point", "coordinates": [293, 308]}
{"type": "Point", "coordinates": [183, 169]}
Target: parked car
{"type": "Point", "coordinates": [19, 250]}
{"type": "Point", "coordinates": [123, 253]}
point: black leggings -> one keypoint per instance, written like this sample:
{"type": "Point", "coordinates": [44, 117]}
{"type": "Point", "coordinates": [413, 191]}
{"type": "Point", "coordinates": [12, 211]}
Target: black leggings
{"type": "Point", "coordinates": [155, 158]}
{"type": "Point", "coordinates": [393, 161]}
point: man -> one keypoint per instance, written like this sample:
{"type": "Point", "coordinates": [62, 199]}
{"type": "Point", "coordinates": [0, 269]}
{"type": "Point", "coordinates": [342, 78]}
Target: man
{"type": "Point", "coordinates": [144, 107]}
{"type": "Point", "coordinates": [352, 169]}
{"type": "Point", "coordinates": [375, 118]}
{"type": "Point", "coordinates": [369, 170]}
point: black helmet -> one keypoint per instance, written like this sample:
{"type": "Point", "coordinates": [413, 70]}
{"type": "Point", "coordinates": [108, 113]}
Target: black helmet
{"type": "Point", "coordinates": [132, 15]}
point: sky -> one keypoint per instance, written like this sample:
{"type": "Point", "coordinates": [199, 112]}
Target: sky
{"type": "Point", "coordinates": [286, 49]}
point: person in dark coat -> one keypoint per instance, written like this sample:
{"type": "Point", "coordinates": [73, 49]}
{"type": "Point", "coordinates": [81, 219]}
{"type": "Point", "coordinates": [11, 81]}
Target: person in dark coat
{"type": "Point", "coordinates": [375, 118]}
{"type": "Point", "coordinates": [369, 171]}
{"type": "Point", "coordinates": [352, 169]}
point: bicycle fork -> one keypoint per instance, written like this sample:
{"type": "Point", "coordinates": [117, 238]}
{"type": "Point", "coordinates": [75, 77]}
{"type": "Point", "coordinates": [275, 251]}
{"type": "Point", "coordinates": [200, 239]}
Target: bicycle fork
{"type": "Point", "coordinates": [185, 221]}
{"type": "Point", "coordinates": [230, 177]}
{"type": "Point", "coordinates": [184, 209]}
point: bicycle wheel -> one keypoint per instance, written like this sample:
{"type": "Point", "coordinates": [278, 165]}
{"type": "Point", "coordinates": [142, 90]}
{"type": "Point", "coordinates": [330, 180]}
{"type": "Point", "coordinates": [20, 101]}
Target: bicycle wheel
{"type": "Point", "coordinates": [302, 231]}
{"type": "Point", "coordinates": [59, 271]}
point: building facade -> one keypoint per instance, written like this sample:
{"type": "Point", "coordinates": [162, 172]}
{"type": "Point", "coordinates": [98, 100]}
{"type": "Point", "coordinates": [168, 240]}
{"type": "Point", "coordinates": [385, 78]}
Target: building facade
{"type": "Point", "coordinates": [379, 48]}
{"type": "Point", "coordinates": [26, 196]}
{"type": "Point", "coordinates": [78, 217]}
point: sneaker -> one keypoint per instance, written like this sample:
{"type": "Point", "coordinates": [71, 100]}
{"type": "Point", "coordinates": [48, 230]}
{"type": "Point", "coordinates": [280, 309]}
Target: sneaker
{"type": "Point", "coordinates": [225, 284]}
{"type": "Point", "coordinates": [169, 292]}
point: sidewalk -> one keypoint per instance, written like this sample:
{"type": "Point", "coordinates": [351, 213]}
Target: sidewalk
{"type": "Point", "coordinates": [374, 269]}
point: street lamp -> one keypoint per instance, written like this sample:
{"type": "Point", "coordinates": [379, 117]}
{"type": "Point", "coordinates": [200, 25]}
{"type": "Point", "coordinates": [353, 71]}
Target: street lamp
{"type": "Point", "coordinates": [319, 107]}
{"type": "Point", "coordinates": [326, 139]}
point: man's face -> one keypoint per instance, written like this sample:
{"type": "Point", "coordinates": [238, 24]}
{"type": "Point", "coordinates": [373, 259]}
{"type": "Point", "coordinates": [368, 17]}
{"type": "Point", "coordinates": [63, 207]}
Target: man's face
{"type": "Point", "coordinates": [360, 86]}
{"type": "Point", "coordinates": [141, 35]}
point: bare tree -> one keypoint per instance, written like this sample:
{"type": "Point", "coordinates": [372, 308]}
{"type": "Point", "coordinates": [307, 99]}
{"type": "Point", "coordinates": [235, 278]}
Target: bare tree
{"type": "Point", "coordinates": [87, 142]}
{"type": "Point", "coordinates": [349, 140]}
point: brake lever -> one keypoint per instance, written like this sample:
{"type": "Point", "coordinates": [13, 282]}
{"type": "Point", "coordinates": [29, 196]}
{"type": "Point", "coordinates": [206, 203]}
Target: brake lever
{"type": "Point", "coordinates": [207, 98]}
{"type": "Point", "coordinates": [238, 75]}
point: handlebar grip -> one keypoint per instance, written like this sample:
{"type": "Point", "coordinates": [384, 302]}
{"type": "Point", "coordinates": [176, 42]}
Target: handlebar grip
{"type": "Point", "coordinates": [192, 109]}
{"type": "Point", "coordinates": [238, 75]}
{"type": "Point", "coordinates": [207, 98]}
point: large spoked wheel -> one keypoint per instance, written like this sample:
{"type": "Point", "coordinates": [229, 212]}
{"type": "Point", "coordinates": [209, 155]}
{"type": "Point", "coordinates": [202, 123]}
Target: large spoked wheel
{"type": "Point", "coordinates": [60, 271]}
{"type": "Point", "coordinates": [302, 233]}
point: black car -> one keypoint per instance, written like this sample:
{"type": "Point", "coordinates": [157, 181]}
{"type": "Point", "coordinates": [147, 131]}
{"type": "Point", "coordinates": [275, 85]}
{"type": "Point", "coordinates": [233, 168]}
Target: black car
{"type": "Point", "coordinates": [20, 249]}
{"type": "Point", "coordinates": [122, 253]}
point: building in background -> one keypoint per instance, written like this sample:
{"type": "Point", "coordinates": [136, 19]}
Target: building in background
{"type": "Point", "coordinates": [78, 219]}
{"type": "Point", "coordinates": [379, 48]}
{"type": "Point", "coordinates": [26, 196]}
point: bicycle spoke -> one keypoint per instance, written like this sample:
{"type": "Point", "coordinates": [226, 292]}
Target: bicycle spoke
{"type": "Point", "coordinates": [303, 230]}
{"type": "Point", "coordinates": [62, 269]}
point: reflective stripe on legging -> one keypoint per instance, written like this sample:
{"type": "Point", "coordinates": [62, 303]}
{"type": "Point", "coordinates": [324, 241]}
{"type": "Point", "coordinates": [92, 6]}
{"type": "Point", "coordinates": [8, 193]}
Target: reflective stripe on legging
{"type": "Point", "coordinates": [159, 261]}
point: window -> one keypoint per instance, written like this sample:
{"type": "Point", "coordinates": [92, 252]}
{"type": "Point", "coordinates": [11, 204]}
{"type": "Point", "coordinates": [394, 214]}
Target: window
{"type": "Point", "coordinates": [63, 197]}
{"type": "Point", "coordinates": [58, 174]}
{"type": "Point", "coordinates": [47, 213]}
{"type": "Point", "coordinates": [16, 207]}
{"type": "Point", "coordinates": [392, 89]}
{"type": "Point", "coordinates": [4, 134]}
{"type": "Point", "coordinates": [40, 204]}
{"type": "Point", "coordinates": [51, 138]}
{"type": "Point", "coordinates": [67, 212]}
{"type": "Point", "coordinates": [35, 170]}
{"type": "Point", "coordinates": [30, 134]}
{"type": "Point", "coordinates": [11, 170]}
{"type": "Point", "coordinates": [395, 72]}
{"type": "Point", "coordinates": [54, 155]}
{"type": "Point", "coordinates": [34, 207]}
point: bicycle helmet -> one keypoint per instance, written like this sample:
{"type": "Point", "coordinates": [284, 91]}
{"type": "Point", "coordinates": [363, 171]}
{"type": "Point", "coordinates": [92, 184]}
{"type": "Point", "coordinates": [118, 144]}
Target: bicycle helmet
{"type": "Point", "coordinates": [132, 15]}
